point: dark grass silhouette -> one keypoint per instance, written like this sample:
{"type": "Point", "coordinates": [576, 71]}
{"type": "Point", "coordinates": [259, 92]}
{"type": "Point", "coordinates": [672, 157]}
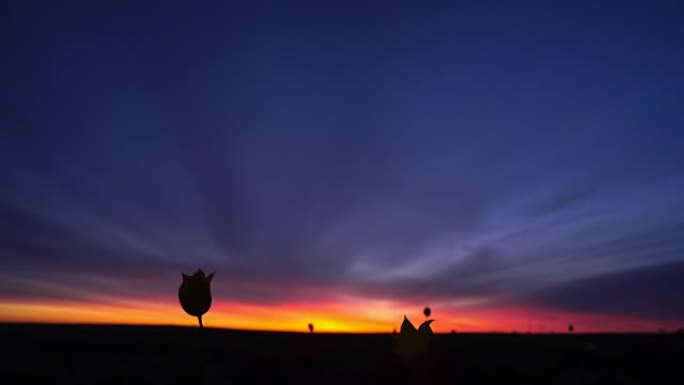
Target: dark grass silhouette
{"type": "Point", "coordinates": [76, 354]}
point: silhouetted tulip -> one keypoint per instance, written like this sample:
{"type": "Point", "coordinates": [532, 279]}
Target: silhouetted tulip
{"type": "Point", "coordinates": [427, 311]}
{"type": "Point", "coordinates": [195, 294]}
{"type": "Point", "coordinates": [414, 342]}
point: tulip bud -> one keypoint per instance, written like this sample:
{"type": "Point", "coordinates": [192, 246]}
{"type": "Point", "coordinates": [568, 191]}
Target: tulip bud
{"type": "Point", "coordinates": [195, 294]}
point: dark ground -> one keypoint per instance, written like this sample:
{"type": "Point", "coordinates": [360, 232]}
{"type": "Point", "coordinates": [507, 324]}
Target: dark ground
{"type": "Point", "coordinates": [77, 354]}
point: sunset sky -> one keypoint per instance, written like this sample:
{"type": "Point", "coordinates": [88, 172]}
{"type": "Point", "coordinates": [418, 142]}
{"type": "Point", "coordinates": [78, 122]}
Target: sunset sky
{"type": "Point", "coordinates": [516, 167]}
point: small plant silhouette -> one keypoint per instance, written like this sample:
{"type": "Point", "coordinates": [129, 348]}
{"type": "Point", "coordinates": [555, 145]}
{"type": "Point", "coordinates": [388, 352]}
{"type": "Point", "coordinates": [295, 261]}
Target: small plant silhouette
{"type": "Point", "coordinates": [571, 328]}
{"type": "Point", "coordinates": [194, 294]}
{"type": "Point", "coordinates": [427, 311]}
{"type": "Point", "coordinates": [311, 328]}
{"type": "Point", "coordinates": [414, 342]}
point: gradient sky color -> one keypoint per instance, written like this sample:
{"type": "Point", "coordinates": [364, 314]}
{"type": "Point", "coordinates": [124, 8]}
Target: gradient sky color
{"type": "Point", "coordinates": [515, 167]}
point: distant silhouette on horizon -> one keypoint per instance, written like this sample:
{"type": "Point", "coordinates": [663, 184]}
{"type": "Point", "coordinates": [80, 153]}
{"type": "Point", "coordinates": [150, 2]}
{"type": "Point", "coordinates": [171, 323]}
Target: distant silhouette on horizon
{"type": "Point", "coordinates": [414, 342]}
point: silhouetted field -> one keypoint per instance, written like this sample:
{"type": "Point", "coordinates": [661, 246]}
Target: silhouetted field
{"type": "Point", "coordinates": [78, 354]}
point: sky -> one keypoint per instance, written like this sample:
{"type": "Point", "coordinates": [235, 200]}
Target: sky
{"type": "Point", "coordinates": [512, 165]}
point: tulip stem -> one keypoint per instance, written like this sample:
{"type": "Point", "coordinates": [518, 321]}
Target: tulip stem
{"type": "Point", "coordinates": [200, 322]}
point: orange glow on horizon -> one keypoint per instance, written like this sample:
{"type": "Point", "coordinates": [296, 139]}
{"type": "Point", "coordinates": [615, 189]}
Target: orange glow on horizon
{"type": "Point", "coordinates": [369, 316]}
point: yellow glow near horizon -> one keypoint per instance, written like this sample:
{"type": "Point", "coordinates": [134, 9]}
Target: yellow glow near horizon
{"type": "Point", "coordinates": [353, 316]}
{"type": "Point", "coordinates": [238, 316]}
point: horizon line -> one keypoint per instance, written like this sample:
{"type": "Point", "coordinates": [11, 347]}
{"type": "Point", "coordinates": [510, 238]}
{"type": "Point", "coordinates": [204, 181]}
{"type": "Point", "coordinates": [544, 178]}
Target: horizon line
{"type": "Point", "coordinates": [257, 330]}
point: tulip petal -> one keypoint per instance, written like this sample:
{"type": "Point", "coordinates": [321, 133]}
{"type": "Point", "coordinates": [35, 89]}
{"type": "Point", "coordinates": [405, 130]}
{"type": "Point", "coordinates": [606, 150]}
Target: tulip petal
{"type": "Point", "coordinates": [407, 326]}
{"type": "Point", "coordinates": [425, 329]}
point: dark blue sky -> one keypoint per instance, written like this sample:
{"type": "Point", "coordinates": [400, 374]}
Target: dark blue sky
{"type": "Point", "coordinates": [531, 152]}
